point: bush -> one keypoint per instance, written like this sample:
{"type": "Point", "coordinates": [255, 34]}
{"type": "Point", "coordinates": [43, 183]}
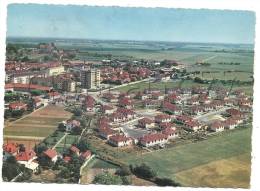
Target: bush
{"type": "Point", "coordinates": [144, 171]}
{"type": "Point", "coordinates": [107, 179]}
{"type": "Point", "coordinates": [127, 180]}
{"type": "Point", "coordinates": [166, 182]}
{"type": "Point", "coordinates": [123, 171]}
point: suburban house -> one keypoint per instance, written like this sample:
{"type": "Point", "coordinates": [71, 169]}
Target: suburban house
{"type": "Point", "coordinates": [192, 125]}
{"type": "Point", "coordinates": [106, 132]}
{"type": "Point", "coordinates": [230, 123]}
{"type": "Point", "coordinates": [153, 139]}
{"type": "Point", "coordinates": [142, 96]}
{"type": "Point", "coordinates": [14, 106]}
{"type": "Point", "coordinates": [171, 108]}
{"type": "Point", "coordinates": [85, 155]}
{"type": "Point", "coordinates": [51, 154]}
{"type": "Point", "coordinates": [110, 98]}
{"type": "Point", "coordinates": [170, 133]}
{"type": "Point", "coordinates": [146, 123]}
{"type": "Point", "coordinates": [89, 103]}
{"type": "Point", "coordinates": [117, 117]}
{"type": "Point", "coordinates": [120, 140]}
{"type": "Point", "coordinates": [157, 96]}
{"type": "Point", "coordinates": [165, 125]}
{"type": "Point", "coordinates": [126, 103]}
{"type": "Point", "coordinates": [106, 109]}
{"type": "Point", "coordinates": [196, 110]}
{"type": "Point", "coordinates": [151, 103]}
{"type": "Point", "coordinates": [245, 108]}
{"type": "Point", "coordinates": [27, 158]}
{"type": "Point", "coordinates": [162, 118]}
{"type": "Point", "coordinates": [71, 124]}
{"type": "Point", "coordinates": [10, 149]}
{"type": "Point", "coordinates": [74, 150]}
{"type": "Point", "coordinates": [217, 126]}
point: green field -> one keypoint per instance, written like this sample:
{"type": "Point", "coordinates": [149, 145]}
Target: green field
{"type": "Point", "coordinates": [168, 162]}
{"type": "Point", "coordinates": [187, 83]}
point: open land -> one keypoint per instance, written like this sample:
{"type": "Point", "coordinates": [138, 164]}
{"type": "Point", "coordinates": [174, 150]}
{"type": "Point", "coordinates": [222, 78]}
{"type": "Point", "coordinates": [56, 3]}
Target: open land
{"type": "Point", "coordinates": [38, 124]}
{"type": "Point", "coordinates": [226, 149]}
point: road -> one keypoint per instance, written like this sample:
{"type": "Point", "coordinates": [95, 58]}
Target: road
{"type": "Point", "coordinates": [63, 137]}
{"type": "Point", "coordinates": [23, 137]}
{"type": "Point", "coordinates": [205, 117]}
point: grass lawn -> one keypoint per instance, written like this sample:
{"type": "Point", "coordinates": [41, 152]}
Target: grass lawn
{"type": "Point", "coordinates": [231, 172]}
{"type": "Point", "coordinates": [168, 162]}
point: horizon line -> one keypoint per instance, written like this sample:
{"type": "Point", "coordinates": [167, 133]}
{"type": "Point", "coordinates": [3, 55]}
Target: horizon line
{"type": "Point", "coordinates": [102, 39]}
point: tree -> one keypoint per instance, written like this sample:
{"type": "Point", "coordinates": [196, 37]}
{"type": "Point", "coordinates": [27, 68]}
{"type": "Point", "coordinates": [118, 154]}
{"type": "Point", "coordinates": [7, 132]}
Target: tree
{"type": "Point", "coordinates": [77, 112]}
{"type": "Point", "coordinates": [166, 182]}
{"type": "Point", "coordinates": [36, 92]}
{"type": "Point", "coordinates": [107, 179]}
{"type": "Point", "coordinates": [64, 173]}
{"type": "Point", "coordinates": [144, 171]}
{"type": "Point", "coordinates": [83, 145]}
{"type": "Point", "coordinates": [40, 148]}
{"type": "Point", "coordinates": [61, 127]}
{"type": "Point", "coordinates": [17, 113]}
{"type": "Point", "coordinates": [123, 171]}
{"type": "Point", "coordinates": [127, 180]}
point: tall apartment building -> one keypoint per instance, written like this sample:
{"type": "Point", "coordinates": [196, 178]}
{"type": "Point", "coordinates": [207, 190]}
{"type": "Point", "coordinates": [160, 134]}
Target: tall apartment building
{"type": "Point", "coordinates": [90, 79]}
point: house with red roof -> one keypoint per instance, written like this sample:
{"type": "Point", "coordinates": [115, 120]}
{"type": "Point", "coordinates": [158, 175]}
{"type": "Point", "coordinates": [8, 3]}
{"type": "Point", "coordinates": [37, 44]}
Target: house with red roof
{"type": "Point", "coordinates": [119, 140]}
{"type": "Point", "coordinates": [14, 106]}
{"type": "Point", "coordinates": [51, 154]}
{"type": "Point", "coordinates": [142, 96]}
{"type": "Point", "coordinates": [165, 125]}
{"type": "Point", "coordinates": [173, 98]}
{"type": "Point", "coordinates": [245, 108]}
{"type": "Point", "coordinates": [67, 159]}
{"type": "Point", "coordinates": [234, 112]}
{"type": "Point", "coordinates": [89, 103]}
{"type": "Point", "coordinates": [74, 150]}
{"type": "Point", "coordinates": [117, 117]}
{"type": "Point", "coordinates": [108, 97]}
{"type": "Point", "coordinates": [27, 158]}
{"type": "Point", "coordinates": [157, 96]}
{"type": "Point", "coordinates": [208, 107]}
{"type": "Point", "coordinates": [171, 108]}
{"type": "Point", "coordinates": [107, 109]}
{"type": "Point", "coordinates": [126, 103]}
{"type": "Point", "coordinates": [106, 132]}
{"type": "Point", "coordinates": [171, 133]}
{"type": "Point", "coordinates": [85, 155]}
{"type": "Point", "coordinates": [162, 118]}
{"type": "Point", "coordinates": [230, 123]}
{"type": "Point", "coordinates": [10, 149]}
{"type": "Point", "coordinates": [54, 95]}
{"type": "Point", "coordinates": [128, 113]}
{"type": "Point", "coordinates": [193, 101]}
{"type": "Point", "coordinates": [71, 124]}
{"type": "Point", "coordinates": [217, 126]}
{"type": "Point", "coordinates": [146, 123]}
{"type": "Point", "coordinates": [152, 139]}
{"type": "Point", "coordinates": [151, 103]}
{"type": "Point", "coordinates": [192, 125]}
{"type": "Point", "coordinates": [196, 110]}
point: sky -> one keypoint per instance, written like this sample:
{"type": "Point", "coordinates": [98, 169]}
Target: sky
{"type": "Point", "coordinates": [115, 23]}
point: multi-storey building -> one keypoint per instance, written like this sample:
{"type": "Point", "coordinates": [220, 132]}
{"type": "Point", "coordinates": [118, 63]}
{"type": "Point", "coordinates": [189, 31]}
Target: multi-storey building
{"type": "Point", "coordinates": [90, 79]}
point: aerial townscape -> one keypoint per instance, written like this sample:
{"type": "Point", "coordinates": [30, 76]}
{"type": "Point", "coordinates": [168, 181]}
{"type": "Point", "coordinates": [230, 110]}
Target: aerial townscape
{"type": "Point", "coordinates": [124, 112]}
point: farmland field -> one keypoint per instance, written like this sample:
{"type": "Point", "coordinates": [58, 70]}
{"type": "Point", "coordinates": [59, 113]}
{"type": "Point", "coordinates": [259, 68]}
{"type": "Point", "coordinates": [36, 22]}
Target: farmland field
{"type": "Point", "coordinates": [38, 124]}
{"type": "Point", "coordinates": [187, 157]}
{"type": "Point", "coordinates": [230, 172]}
